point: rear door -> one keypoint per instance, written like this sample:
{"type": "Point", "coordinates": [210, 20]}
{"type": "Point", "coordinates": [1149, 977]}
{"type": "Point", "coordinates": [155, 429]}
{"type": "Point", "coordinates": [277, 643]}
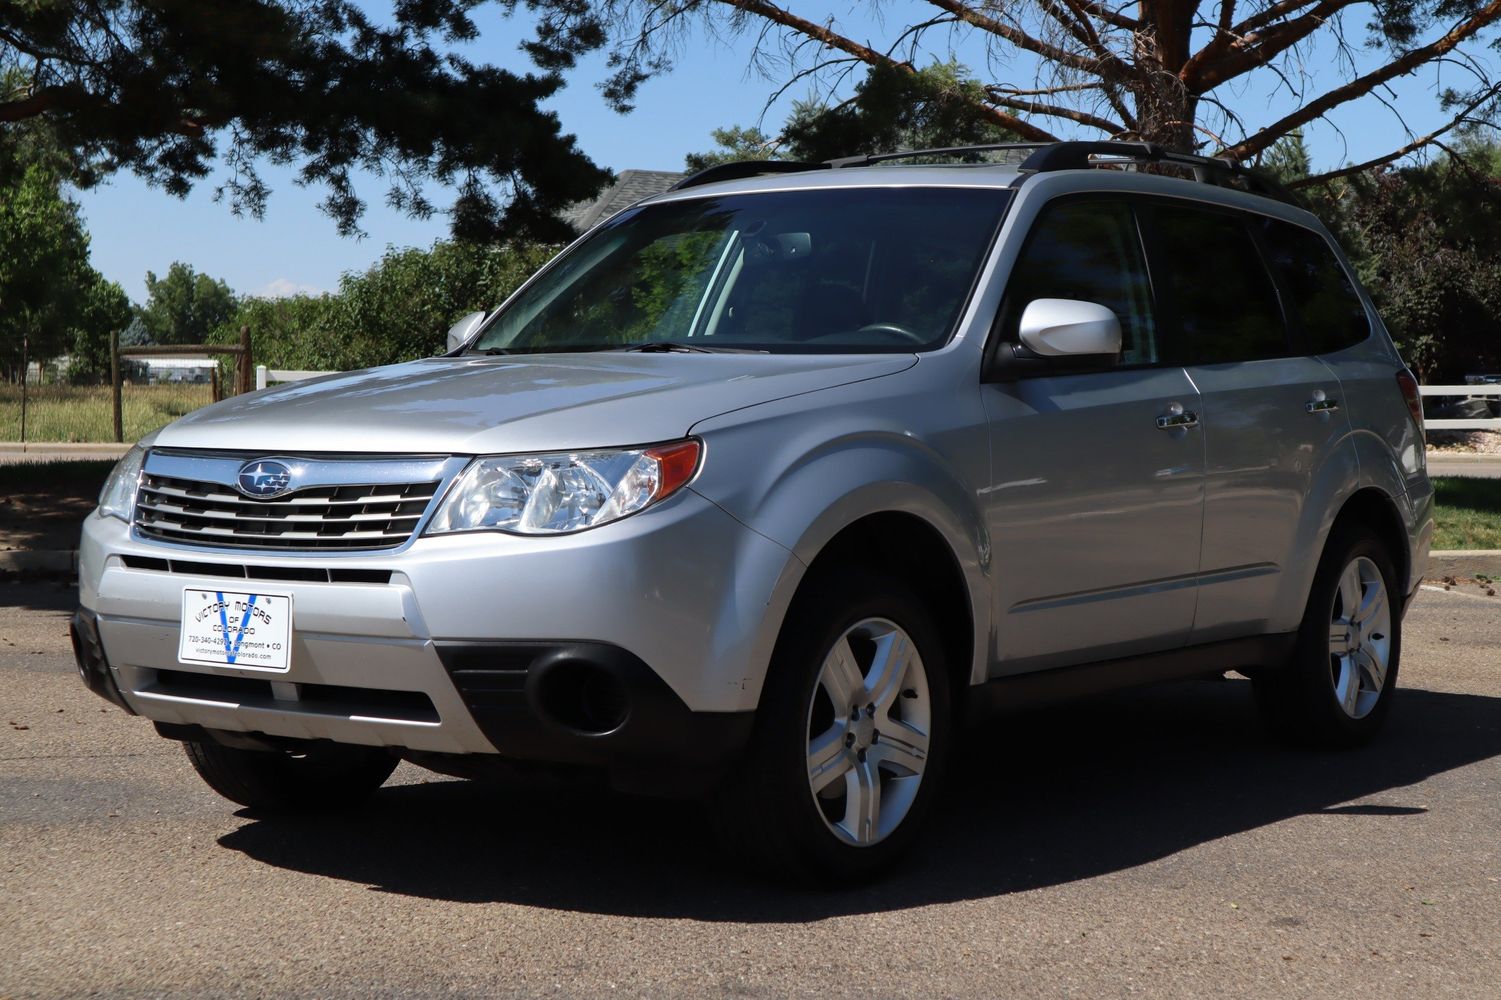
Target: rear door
{"type": "Point", "coordinates": [1271, 414]}
{"type": "Point", "coordinates": [1093, 509]}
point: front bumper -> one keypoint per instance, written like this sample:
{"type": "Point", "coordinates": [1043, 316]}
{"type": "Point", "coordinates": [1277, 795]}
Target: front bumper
{"type": "Point", "coordinates": [463, 644]}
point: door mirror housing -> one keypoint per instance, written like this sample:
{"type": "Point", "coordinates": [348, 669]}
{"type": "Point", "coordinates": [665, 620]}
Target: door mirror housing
{"type": "Point", "coordinates": [1069, 328]}
{"type": "Point", "coordinates": [460, 332]}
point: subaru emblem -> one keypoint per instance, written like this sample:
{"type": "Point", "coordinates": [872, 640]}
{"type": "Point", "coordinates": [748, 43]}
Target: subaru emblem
{"type": "Point", "coordinates": [263, 480]}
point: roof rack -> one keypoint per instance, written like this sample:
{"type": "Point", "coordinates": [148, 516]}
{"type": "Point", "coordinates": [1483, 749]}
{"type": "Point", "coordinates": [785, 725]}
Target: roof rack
{"type": "Point", "coordinates": [1206, 169]}
{"type": "Point", "coordinates": [744, 168]}
{"type": "Point", "coordinates": [1044, 157]}
{"type": "Point", "coordinates": [866, 160]}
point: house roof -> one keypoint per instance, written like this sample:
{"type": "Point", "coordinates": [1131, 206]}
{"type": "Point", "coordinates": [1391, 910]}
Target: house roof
{"type": "Point", "coordinates": [630, 187]}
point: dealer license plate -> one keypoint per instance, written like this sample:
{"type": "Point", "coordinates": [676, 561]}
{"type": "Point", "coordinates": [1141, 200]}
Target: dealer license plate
{"type": "Point", "coordinates": [225, 629]}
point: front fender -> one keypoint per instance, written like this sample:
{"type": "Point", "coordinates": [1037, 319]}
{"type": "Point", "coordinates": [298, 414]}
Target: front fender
{"type": "Point", "coordinates": [800, 474]}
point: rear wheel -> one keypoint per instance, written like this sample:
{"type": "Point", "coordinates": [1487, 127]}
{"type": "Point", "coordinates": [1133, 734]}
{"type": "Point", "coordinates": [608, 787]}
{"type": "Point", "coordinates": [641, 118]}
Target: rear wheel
{"type": "Point", "coordinates": [324, 777]}
{"type": "Point", "coordinates": [850, 737]}
{"type": "Point", "coordinates": [1339, 688]}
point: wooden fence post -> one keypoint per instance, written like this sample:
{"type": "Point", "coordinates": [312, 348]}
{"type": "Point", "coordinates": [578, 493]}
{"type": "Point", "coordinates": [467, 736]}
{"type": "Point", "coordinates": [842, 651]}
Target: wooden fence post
{"type": "Point", "coordinates": [114, 383]}
{"type": "Point", "coordinates": [246, 370]}
{"type": "Point", "coordinates": [25, 364]}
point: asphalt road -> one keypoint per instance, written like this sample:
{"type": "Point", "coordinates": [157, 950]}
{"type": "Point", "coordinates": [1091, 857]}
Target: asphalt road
{"type": "Point", "coordinates": [1154, 843]}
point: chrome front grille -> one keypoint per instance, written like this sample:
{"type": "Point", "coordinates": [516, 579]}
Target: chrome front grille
{"type": "Point", "coordinates": [195, 510]}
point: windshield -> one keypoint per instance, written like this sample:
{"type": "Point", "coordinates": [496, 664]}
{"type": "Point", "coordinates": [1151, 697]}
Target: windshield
{"type": "Point", "coordinates": [846, 270]}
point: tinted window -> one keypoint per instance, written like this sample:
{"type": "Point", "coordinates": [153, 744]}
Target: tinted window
{"type": "Point", "coordinates": [1328, 312]}
{"type": "Point", "coordinates": [858, 269]}
{"type": "Point", "coordinates": [1088, 250]}
{"type": "Point", "coordinates": [1226, 303]}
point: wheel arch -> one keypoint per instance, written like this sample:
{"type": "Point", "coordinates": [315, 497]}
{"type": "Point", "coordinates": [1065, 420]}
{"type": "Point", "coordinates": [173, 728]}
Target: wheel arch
{"type": "Point", "coordinates": [910, 547]}
{"type": "Point", "coordinates": [1373, 508]}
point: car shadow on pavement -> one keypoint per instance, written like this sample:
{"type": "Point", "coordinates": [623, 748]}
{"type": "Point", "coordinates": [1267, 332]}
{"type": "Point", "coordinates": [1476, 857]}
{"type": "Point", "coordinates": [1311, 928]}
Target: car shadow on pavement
{"type": "Point", "coordinates": [1038, 800]}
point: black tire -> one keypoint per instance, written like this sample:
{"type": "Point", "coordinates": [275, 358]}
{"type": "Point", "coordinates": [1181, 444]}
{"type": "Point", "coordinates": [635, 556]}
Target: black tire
{"type": "Point", "coordinates": [767, 810]}
{"type": "Point", "coordinates": [326, 777]}
{"type": "Point", "coordinates": [1300, 702]}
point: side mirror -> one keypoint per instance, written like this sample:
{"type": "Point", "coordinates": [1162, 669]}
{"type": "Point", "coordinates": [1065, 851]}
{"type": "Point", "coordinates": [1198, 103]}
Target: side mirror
{"type": "Point", "coordinates": [1067, 328]}
{"type": "Point", "coordinates": [460, 332]}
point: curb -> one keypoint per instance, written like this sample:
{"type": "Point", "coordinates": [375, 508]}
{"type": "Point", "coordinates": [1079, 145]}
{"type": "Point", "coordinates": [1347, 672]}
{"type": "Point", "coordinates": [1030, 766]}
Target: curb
{"type": "Point", "coordinates": [1462, 457]}
{"type": "Point", "coordinates": [45, 563]}
{"type": "Point", "coordinates": [63, 447]}
{"type": "Point", "coordinates": [40, 453]}
{"type": "Point", "coordinates": [1464, 562]}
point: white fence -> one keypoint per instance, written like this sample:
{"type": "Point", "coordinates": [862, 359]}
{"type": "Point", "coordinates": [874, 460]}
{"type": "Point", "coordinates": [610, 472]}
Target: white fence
{"type": "Point", "coordinates": [1479, 424]}
{"type": "Point", "coordinates": [265, 376]}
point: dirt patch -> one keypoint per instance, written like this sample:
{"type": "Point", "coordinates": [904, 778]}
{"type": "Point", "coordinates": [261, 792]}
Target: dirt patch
{"type": "Point", "coordinates": [1464, 442]}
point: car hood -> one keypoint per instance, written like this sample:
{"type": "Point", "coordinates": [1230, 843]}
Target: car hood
{"type": "Point", "coordinates": [488, 405]}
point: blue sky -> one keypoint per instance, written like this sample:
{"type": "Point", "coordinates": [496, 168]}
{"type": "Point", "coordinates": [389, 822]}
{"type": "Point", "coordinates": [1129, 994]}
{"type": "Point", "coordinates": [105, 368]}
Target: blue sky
{"type": "Point", "coordinates": [136, 228]}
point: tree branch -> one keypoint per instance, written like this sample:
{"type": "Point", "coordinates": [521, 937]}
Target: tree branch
{"type": "Point", "coordinates": [834, 40]}
{"type": "Point", "coordinates": [1266, 17]}
{"type": "Point", "coordinates": [1062, 88]}
{"type": "Point", "coordinates": [1114, 18]}
{"type": "Point", "coordinates": [1015, 36]}
{"type": "Point", "coordinates": [1397, 154]}
{"type": "Point", "coordinates": [1362, 85]}
{"type": "Point", "coordinates": [1222, 40]}
{"type": "Point", "coordinates": [1055, 111]}
{"type": "Point", "coordinates": [1110, 68]}
{"type": "Point", "coordinates": [1212, 65]}
{"type": "Point", "coordinates": [38, 102]}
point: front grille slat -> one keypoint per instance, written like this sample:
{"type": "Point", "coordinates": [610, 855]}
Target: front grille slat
{"type": "Point", "coordinates": [205, 514]}
{"type": "Point", "coordinates": [376, 516]}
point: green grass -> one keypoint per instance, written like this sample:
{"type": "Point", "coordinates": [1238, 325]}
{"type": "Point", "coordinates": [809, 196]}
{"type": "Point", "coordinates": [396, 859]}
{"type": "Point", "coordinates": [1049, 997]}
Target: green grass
{"type": "Point", "coordinates": [1467, 514]}
{"type": "Point", "coordinates": [85, 412]}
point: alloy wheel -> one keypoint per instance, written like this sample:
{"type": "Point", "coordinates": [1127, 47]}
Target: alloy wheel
{"type": "Point", "coordinates": [869, 729]}
{"type": "Point", "coordinates": [1360, 637]}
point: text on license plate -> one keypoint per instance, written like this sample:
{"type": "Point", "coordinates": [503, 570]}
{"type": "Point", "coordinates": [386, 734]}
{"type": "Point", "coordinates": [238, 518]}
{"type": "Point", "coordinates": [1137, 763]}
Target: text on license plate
{"type": "Point", "coordinates": [240, 630]}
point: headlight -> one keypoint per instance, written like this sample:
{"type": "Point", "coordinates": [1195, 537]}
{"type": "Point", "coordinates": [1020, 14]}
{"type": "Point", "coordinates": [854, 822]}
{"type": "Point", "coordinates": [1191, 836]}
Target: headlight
{"type": "Point", "coordinates": [118, 498]}
{"type": "Point", "coordinates": [553, 494]}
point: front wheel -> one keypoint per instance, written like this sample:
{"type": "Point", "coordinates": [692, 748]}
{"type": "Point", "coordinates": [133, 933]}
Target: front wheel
{"type": "Point", "coordinates": [324, 777]}
{"type": "Point", "coordinates": [1339, 687]}
{"type": "Point", "coordinates": [851, 734]}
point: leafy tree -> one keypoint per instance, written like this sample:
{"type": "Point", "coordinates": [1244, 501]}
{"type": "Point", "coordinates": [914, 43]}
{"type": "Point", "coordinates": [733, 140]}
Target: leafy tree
{"type": "Point", "coordinates": [1161, 70]}
{"type": "Point", "coordinates": [931, 108]}
{"type": "Point", "coordinates": [103, 307]}
{"type": "Point", "coordinates": [1288, 159]}
{"type": "Point", "coordinates": [44, 261]}
{"type": "Point", "coordinates": [135, 333]}
{"type": "Point", "coordinates": [184, 306]}
{"type": "Point", "coordinates": [399, 309]}
{"type": "Point", "coordinates": [1427, 241]}
{"type": "Point", "coordinates": [167, 87]}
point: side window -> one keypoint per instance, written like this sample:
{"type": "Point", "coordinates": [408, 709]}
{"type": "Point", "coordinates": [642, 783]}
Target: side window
{"type": "Point", "coordinates": [1329, 313]}
{"type": "Point", "coordinates": [1087, 250]}
{"type": "Point", "coordinates": [1226, 303]}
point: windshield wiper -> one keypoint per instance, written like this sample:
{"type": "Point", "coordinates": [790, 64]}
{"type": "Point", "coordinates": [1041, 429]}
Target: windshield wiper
{"type": "Point", "coordinates": [649, 347]}
{"type": "Point", "coordinates": [678, 347]}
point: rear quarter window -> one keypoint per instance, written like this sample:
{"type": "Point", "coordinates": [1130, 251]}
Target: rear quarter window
{"type": "Point", "coordinates": [1322, 301]}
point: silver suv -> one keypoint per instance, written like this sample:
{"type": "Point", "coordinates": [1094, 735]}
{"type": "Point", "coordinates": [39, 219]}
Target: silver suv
{"type": "Point", "coordinates": [762, 485]}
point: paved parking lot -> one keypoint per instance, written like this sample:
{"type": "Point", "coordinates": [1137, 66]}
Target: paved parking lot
{"type": "Point", "coordinates": [1147, 844]}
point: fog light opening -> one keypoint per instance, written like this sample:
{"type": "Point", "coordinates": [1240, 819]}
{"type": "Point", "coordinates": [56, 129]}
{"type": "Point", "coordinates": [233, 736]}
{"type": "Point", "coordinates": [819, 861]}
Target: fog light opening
{"type": "Point", "coordinates": [583, 697]}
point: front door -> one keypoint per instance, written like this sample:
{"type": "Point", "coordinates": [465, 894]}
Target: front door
{"type": "Point", "coordinates": [1094, 509]}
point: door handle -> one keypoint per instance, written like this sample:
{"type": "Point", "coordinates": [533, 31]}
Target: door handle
{"type": "Point", "coordinates": [1177, 417]}
{"type": "Point", "coordinates": [1321, 403]}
